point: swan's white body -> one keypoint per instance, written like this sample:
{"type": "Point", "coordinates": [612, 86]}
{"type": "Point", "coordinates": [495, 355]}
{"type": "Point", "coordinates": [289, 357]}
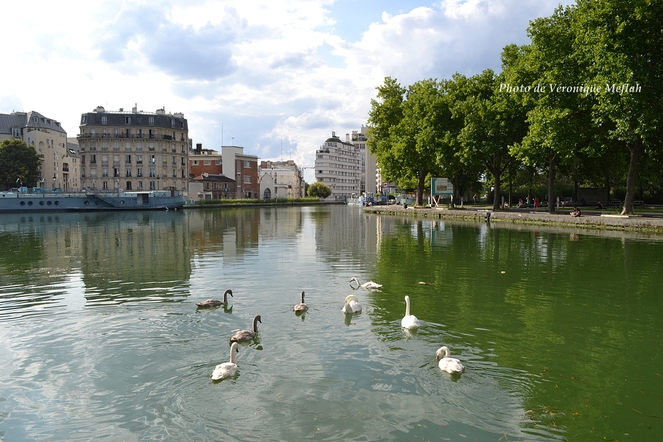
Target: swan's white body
{"type": "Point", "coordinates": [409, 321]}
{"type": "Point", "coordinates": [247, 335]}
{"type": "Point", "coordinates": [370, 285]}
{"type": "Point", "coordinates": [226, 369]}
{"type": "Point", "coordinates": [301, 307]}
{"type": "Point", "coordinates": [351, 304]}
{"type": "Point", "coordinates": [215, 302]}
{"type": "Point", "coordinates": [450, 365]}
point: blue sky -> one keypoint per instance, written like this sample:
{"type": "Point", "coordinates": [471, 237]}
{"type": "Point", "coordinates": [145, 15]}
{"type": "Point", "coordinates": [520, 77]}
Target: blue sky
{"type": "Point", "coordinates": [275, 77]}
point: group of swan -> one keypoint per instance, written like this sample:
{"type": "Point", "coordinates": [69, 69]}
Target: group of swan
{"type": "Point", "coordinates": [352, 305]}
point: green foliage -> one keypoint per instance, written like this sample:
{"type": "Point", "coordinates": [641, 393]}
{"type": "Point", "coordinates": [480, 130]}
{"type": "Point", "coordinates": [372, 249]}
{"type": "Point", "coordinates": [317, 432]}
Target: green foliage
{"type": "Point", "coordinates": [581, 103]}
{"type": "Point", "coordinates": [319, 190]}
{"type": "Point", "coordinates": [18, 161]}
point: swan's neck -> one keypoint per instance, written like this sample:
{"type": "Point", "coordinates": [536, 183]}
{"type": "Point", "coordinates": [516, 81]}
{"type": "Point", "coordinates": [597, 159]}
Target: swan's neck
{"type": "Point", "coordinates": [302, 297]}
{"type": "Point", "coordinates": [407, 306]}
{"type": "Point", "coordinates": [232, 355]}
{"type": "Point", "coordinates": [255, 325]}
{"type": "Point", "coordinates": [225, 297]}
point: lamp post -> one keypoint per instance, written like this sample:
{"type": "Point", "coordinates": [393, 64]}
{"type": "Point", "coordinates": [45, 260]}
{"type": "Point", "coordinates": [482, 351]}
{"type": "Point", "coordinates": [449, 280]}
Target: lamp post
{"type": "Point", "coordinates": [158, 182]}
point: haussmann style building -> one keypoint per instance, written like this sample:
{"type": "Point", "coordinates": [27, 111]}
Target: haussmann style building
{"type": "Point", "coordinates": [134, 151]}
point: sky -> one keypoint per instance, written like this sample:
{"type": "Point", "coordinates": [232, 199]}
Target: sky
{"type": "Point", "coordinates": [275, 77]}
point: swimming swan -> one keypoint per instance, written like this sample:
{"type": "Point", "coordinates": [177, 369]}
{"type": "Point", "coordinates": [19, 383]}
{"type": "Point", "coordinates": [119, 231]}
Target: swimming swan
{"type": "Point", "coordinates": [351, 304]}
{"type": "Point", "coordinates": [247, 335]}
{"type": "Point", "coordinates": [450, 365]}
{"type": "Point", "coordinates": [409, 321]}
{"type": "Point", "coordinates": [370, 285]}
{"type": "Point", "coordinates": [215, 302]}
{"type": "Point", "coordinates": [226, 369]}
{"type": "Point", "coordinates": [301, 307]}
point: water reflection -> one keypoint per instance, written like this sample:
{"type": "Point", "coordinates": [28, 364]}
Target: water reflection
{"type": "Point", "coordinates": [101, 334]}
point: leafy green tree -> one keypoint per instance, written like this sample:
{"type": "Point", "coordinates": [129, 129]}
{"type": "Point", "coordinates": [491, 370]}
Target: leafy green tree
{"type": "Point", "coordinates": [406, 131]}
{"type": "Point", "coordinates": [621, 44]}
{"type": "Point", "coordinates": [18, 161]}
{"type": "Point", "coordinates": [319, 190]}
{"type": "Point", "coordinates": [493, 121]}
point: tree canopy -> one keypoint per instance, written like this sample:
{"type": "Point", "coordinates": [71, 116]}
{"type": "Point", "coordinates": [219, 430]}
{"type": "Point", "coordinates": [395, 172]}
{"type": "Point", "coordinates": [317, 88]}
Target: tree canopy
{"type": "Point", "coordinates": [19, 163]}
{"type": "Point", "coordinates": [582, 101]}
{"type": "Point", "coordinates": [319, 190]}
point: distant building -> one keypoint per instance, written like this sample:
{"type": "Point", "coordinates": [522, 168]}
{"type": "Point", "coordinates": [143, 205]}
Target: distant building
{"type": "Point", "coordinates": [243, 168]}
{"type": "Point", "coordinates": [205, 161]}
{"type": "Point", "coordinates": [134, 150]}
{"type": "Point", "coordinates": [49, 140]}
{"type": "Point", "coordinates": [281, 179]}
{"type": "Point", "coordinates": [214, 187]}
{"type": "Point", "coordinates": [337, 164]}
{"type": "Point", "coordinates": [369, 182]}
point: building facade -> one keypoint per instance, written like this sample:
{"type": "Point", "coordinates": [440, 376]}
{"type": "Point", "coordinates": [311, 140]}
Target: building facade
{"type": "Point", "coordinates": [49, 140]}
{"type": "Point", "coordinates": [369, 181]}
{"type": "Point", "coordinates": [243, 169]}
{"type": "Point", "coordinates": [134, 150]}
{"type": "Point", "coordinates": [338, 165]}
{"type": "Point", "coordinates": [205, 161]}
{"type": "Point", "coordinates": [281, 179]}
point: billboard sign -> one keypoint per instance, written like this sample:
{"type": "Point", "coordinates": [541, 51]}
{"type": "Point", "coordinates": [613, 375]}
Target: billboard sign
{"type": "Point", "coordinates": [441, 187]}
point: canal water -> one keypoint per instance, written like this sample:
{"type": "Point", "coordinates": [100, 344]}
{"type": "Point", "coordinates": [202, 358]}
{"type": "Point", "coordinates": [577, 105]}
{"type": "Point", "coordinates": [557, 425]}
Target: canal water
{"type": "Point", "coordinates": [560, 330]}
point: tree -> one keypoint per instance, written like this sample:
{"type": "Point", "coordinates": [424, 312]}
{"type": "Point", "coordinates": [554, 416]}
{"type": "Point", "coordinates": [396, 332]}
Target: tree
{"type": "Point", "coordinates": [492, 122]}
{"type": "Point", "coordinates": [622, 45]}
{"type": "Point", "coordinates": [18, 161]}
{"type": "Point", "coordinates": [406, 131]}
{"type": "Point", "coordinates": [319, 190]}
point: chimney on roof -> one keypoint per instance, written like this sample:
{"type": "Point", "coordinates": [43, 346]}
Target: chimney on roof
{"type": "Point", "coordinates": [199, 147]}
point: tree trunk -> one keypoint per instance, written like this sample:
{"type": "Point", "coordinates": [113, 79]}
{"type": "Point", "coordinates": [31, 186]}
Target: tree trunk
{"type": "Point", "coordinates": [420, 188]}
{"type": "Point", "coordinates": [551, 185]}
{"type": "Point", "coordinates": [498, 185]}
{"type": "Point", "coordinates": [635, 149]}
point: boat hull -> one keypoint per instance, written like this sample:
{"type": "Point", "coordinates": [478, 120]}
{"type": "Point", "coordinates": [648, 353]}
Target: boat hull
{"type": "Point", "coordinates": [16, 202]}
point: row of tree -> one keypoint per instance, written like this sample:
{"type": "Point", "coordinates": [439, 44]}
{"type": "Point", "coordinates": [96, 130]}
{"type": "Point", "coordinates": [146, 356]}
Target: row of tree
{"type": "Point", "coordinates": [584, 100]}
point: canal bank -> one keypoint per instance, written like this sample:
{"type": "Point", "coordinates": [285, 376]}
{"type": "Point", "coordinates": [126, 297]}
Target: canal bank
{"type": "Point", "coordinates": [588, 220]}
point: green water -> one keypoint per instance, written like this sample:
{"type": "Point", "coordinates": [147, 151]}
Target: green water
{"type": "Point", "coordinates": [100, 338]}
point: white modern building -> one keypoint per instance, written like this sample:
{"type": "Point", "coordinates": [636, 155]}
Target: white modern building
{"type": "Point", "coordinates": [338, 165]}
{"type": "Point", "coordinates": [369, 179]}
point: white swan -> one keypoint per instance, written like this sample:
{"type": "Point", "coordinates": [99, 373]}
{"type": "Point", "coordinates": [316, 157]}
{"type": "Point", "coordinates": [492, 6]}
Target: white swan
{"type": "Point", "coordinates": [215, 302]}
{"type": "Point", "coordinates": [450, 365]}
{"type": "Point", "coordinates": [226, 369]}
{"type": "Point", "coordinates": [301, 307]}
{"type": "Point", "coordinates": [247, 335]}
{"type": "Point", "coordinates": [370, 285]}
{"type": "Point", "coordinates": [409, 321]}
{"type": "Point", "coordinates": [351, 304]}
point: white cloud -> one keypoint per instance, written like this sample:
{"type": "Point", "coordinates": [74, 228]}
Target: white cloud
{"type": "Point", "coordinates": [268, 72]}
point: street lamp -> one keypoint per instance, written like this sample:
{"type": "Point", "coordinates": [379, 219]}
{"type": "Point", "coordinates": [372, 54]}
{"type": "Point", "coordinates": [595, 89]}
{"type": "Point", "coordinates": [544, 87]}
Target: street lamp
{"type": "Point", "coordinates": [158, 182]}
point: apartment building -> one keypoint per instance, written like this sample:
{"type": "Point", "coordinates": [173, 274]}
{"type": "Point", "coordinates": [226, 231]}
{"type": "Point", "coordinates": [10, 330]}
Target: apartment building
{"type": "Point", "coordinates": [243, 168]}
{"type": "Point", "coordinates": [338, 165]}
{"type": "Point", "coordinates": [134, 150]}
{"type": "Point", "coordinates": [281, 179]}
{"type": "Point", "coordinates": [49, 140]}
{"type": "Point", "coordinates": [205, 161]}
